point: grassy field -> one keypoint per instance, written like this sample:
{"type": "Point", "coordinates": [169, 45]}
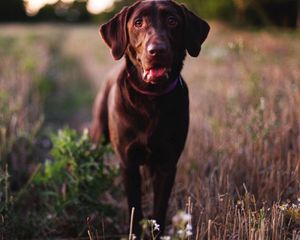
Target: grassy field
{"type": "Point", "coordinates": [239, 174]}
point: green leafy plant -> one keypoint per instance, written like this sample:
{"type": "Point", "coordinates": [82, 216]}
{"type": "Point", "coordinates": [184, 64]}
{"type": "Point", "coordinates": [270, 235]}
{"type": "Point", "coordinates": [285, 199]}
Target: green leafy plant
{"type": "Point", "coordinates": [69, 188]}
{"type": "Point", "coordinates": [78, 167]}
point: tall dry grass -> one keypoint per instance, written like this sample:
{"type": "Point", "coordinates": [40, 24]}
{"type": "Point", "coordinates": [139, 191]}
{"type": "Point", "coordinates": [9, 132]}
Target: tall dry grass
{"type": "Point", "coordinates": [242, 157]}
{"type": "Point", "coordinates": [241, 163]}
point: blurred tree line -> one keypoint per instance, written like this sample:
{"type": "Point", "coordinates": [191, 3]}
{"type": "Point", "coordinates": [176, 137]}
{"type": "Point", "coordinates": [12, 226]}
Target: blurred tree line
{"type": "Point", "coordinates": [14, 10]}
{"type": "Point", "coordinates": [284, 13]}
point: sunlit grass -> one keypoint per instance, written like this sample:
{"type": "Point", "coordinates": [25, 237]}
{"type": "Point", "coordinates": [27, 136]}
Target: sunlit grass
{"type": "Point", "coordinates": [241, 163]}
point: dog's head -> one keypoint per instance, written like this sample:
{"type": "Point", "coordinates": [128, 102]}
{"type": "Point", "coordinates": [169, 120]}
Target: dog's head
{"type": "Point", "coordinates": [155, 35]}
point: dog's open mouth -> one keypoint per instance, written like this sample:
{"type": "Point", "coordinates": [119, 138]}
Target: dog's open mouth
{"type": "Point", "coordinates": [151, 75]}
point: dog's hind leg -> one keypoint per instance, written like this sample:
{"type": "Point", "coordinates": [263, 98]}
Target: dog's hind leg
{"type": "Point", "coordinates": [99, 126]}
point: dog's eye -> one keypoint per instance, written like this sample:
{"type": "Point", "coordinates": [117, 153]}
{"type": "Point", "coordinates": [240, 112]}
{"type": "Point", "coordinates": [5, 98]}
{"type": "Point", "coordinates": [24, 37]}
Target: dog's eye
{"type": "Point", "coordinates": [172, 21]}
{"type": "Point", "coordinates": [138, 23]}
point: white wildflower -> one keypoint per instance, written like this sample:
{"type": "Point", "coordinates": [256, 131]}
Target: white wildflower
{"type": "Point", "coordinates": [189, 227]}
{"type": "Point", "coordinates": [182, 217]}
{"type": "Point", "coordinates": [180, 233]}
{"type": "Point", "coordinates": [154, 224]}
{"type": "Point", "coordinates": [182, 223]}
{"type": "Point", "coordinates": [165, 238]}
{"type": "Point", "coordinates": [186, 217]}
{"type": "Point", "coordinates": [189, 233]}
{"type": "Point", "coordinates": [133, 237]}
{"type": "Point", "coordinates": [283, 207]}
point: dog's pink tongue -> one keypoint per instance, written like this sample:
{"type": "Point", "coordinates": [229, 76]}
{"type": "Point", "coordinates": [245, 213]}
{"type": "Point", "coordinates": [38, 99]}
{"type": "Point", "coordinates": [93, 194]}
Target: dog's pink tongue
{"type": "Point", "coordinates": [157, 72]}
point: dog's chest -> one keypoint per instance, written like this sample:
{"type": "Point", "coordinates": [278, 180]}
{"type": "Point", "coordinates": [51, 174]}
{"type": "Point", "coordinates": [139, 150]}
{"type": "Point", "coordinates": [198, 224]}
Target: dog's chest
{"type": "Point", "coordinates": [138, 135]}
{"type": "Point", "coordinates": [142, 129]}
{"type": "Point", "coordinates": [149, 129]}
{"type": "Point", "coordinates": [139, 144]}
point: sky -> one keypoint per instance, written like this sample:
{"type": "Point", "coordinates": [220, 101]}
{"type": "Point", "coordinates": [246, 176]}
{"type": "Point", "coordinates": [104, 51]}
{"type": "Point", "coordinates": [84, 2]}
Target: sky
{"type": "Point", "coordinates": [93, 6]}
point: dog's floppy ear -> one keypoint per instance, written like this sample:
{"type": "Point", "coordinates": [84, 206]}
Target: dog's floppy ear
{"type": "Point", "coordinates": [196, 31]}
{"type": "Point", "coordinates": [114, 33]}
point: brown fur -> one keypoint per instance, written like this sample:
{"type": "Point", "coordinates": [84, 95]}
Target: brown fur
{"type": "Point", "coordinates": [144, 129]}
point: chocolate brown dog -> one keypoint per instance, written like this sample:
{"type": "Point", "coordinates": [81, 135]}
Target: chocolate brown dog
{"type": "Point", "coordinates": [144, 110]}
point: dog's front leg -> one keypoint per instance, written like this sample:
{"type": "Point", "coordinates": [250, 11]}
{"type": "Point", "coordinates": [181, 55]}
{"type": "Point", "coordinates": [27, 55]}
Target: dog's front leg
{"type": "Point", "coordinates": [132, 182]}
{"type": "Point", "coordinates": [163, 180]}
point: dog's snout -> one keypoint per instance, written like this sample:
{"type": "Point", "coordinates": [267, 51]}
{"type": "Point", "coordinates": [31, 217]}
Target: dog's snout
{"type": "Point", "coordinates": [154, 49]}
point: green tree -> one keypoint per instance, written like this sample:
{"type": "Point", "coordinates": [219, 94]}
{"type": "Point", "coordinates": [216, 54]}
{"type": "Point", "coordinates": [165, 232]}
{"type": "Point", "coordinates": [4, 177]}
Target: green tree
{"type": "Point", "coordinates": [60, 11]}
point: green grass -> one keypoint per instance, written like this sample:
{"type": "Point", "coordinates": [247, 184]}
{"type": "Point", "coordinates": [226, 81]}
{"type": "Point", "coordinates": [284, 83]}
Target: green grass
{"type": "Point", "coordinates": [240, 167]}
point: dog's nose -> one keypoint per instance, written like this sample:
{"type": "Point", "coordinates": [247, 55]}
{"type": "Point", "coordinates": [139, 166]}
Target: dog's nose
{"type": "Point", "coordinates": [156, 49]}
